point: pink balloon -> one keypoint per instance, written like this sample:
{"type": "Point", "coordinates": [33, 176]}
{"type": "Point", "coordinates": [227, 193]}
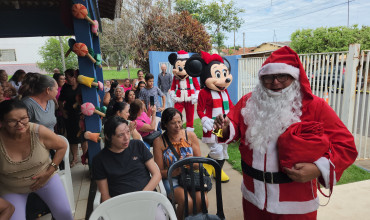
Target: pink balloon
{"type": "Point", "coordinates": [87, 108]}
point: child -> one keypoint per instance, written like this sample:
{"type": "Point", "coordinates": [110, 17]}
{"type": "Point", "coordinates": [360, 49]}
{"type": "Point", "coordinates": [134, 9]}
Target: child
{"type": "Point", "coordinates": [151, 90]}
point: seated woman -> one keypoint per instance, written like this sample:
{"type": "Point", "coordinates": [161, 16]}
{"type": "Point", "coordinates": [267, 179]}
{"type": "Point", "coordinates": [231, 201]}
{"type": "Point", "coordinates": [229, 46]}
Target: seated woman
{"type": "Point", "coordinates": [187, 145]}
{"type": "Point", "coordinates": [118, 97]}
{"type": "Point", "coordinates": [123, 165]}
{"type": "Point", "coordinates": [121, 109]}
{"type": "Point", "coordinates": [145, 125]}
{"type": "Point", "coordinates": [130, 96]}
{"type": "Point", "coordinates": [25, 163]}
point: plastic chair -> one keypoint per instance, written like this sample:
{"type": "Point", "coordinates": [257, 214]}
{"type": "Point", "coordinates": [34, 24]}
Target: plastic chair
{"type": "Point", "coordinates": [66, 178]}
{"type": "Point", "coordinates": [97, 198]}
{"type": "Point", "coordinates": [190, 162]}
{"type": "Point", "coordinates": [135, 205]}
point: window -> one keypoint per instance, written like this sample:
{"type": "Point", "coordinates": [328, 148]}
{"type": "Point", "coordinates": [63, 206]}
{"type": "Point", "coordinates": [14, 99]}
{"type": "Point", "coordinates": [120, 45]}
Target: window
{"type": "Point", "coordinates": [7, 55]}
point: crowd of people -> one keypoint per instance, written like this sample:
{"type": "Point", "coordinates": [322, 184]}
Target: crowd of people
{"type": "Point", "coordinates": [34, 108]}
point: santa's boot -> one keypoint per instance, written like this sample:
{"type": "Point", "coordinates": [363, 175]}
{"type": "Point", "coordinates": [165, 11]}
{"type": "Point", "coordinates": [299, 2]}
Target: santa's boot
{"type": "Point", "coordinates": [224, 178]}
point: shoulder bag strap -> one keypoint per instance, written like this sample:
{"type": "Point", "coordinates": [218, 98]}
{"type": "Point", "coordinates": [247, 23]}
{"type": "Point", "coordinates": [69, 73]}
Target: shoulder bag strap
{"type": "Point", "coordinates": [186, 135]}
{"type": "Point", "coordinates": [171, 146]}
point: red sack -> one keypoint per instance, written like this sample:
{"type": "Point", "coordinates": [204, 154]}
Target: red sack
{"type": "Point", "coordinates": [302, 142]}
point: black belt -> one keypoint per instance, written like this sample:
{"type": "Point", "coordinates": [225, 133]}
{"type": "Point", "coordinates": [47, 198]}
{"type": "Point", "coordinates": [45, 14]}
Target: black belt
{"type": "Point", "coordinates": [185, 89]}
{"type": "Point", "coordinates": [266, 177]}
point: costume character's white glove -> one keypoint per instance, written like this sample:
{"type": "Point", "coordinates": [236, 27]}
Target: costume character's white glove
{"type": "Point", "coordinates": [207, 124]}
{"type": "Point", "coordinates": [173, 96]}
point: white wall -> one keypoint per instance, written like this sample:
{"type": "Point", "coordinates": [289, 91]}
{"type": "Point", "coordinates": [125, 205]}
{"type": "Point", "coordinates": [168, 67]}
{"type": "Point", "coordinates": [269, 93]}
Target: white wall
{"type": "Point", "coordinates": [26, 48]}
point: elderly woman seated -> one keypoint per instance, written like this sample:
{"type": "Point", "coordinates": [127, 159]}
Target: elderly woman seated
{"type": "Point", "coordinates": [25, 163]}
{"type": "Point", "coordinates": [123, 165]}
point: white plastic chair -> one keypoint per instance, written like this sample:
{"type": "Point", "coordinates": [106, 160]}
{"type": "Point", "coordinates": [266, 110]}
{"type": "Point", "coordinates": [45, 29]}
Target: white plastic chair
{"type": "Point", "coordinates": [135, 205]}
{"type": "Point", "coordinates": [66, 177]}
{"type": "Point", "coordinates": [97, 198]}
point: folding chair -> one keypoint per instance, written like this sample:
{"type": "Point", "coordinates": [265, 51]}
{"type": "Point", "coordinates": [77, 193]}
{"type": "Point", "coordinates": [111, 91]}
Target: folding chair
{"type": "Point", "coordinates": [190, 163]}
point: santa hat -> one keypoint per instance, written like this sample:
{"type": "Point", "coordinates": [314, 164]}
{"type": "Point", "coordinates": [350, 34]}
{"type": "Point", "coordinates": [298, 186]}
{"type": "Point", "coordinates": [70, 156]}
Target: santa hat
{"type": "Point", "coordinates": [182, 54]}
{"type": "Point", "coordinates": [283, 60]}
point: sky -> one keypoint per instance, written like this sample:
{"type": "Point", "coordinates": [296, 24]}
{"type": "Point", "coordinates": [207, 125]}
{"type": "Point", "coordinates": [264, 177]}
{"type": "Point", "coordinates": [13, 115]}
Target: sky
{"type": "Point", "coordinates": [264, 18]}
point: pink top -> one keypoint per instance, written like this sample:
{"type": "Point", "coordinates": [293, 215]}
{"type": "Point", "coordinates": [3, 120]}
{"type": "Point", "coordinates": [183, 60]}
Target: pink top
{"type": "Point", "coordinates": [140, 121]}
{"type": "Point", "coordinates": [59, 88]}
{"type": "Point", "coordinates": [125, 89]}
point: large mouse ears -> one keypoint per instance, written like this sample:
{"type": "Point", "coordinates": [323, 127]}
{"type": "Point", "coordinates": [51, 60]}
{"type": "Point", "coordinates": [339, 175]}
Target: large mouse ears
{"type": "Point", "coordinates": [172, 58]}
{"type": "Point", "coordinates": [227, 64]}
{"type": "Point", "coordinates": [194, 66]}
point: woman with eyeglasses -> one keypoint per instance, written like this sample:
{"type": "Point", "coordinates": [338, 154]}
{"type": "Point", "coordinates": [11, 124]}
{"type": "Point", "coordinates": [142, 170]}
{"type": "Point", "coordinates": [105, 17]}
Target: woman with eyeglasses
{"type": "Point", "coordinates": [25, 162]}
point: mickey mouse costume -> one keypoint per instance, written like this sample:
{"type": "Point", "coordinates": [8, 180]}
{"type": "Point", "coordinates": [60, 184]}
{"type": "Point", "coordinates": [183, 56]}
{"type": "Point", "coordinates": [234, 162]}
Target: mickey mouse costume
{"type": "Point", "coordinates": [185, 89]}
{"type": "Point", "coordinates": [213, 100]}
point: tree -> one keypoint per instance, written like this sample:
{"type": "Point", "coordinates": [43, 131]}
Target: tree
{"type": "Point", "coordinates": [115, 42]}
{"type": "Point", "coordinates": [178, 31]}
{"type": "Point", "coordinates": [332, 39]}
{"type": "Point", "coordinates": [51, 55]}
{"type": "Point", "coordinates": [218, 16]}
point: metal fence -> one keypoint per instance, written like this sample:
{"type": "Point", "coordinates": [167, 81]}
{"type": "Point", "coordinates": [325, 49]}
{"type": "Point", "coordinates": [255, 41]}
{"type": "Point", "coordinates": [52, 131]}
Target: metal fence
{"type": "Point", "coordinates": [341, 78]}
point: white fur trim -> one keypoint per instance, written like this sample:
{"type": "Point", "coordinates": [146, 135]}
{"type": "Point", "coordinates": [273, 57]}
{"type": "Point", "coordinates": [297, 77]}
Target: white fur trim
{"type": "Point", "coordinates": [183, 56]}
{"type": "Point", "coordinates": [190, 129]}
{"type": "Point", "coordinates": [324, 166]}
{"type": "Point", "coordinates": [276, 68]}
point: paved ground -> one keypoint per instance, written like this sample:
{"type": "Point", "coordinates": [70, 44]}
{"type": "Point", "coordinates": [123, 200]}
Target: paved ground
{"type": "Point", "coordinates": [348, 201]}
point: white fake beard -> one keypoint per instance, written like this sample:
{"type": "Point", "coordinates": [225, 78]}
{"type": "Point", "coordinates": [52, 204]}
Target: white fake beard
{"type": "Point", "coordinates": [268, 114]}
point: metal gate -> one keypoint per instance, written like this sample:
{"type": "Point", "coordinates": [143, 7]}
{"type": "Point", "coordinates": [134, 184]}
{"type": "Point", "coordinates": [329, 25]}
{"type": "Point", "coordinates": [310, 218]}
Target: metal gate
{"type": "Point", "coordinates": [340, 78]}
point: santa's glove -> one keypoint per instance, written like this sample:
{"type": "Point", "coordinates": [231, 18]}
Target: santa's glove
{"type": "Point", "coordinates": [194, 101]}
{"type": "Point", "coordinates": [207, 124]}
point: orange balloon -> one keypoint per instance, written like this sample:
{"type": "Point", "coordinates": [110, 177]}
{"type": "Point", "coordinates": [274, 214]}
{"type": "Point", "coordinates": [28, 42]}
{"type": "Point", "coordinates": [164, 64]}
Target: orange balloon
{"type": "Point", "coordinates": [80, 49]}
{"type": "Point", "coordinates": [79, 11]}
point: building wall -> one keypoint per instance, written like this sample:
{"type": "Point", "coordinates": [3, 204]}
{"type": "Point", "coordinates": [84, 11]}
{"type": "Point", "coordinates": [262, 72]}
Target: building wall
{"type": "Point", "coordinates": [26, 48]}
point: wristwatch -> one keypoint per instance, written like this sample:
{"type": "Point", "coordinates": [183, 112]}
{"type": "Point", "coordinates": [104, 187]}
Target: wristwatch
{"type": "Point", "coordinates": [54, 165]}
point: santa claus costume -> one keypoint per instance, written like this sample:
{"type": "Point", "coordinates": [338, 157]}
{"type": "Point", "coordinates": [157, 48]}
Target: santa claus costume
{"type": "Point", "coordinates": [185, 89]}
{"type": "Point", "coordinates": [259, 118]}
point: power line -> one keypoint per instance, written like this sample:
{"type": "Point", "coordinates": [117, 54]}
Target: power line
{"type": "Point", "coordinates": [299, 15]}
{"type": "Point", "coordinates": [293, 11]}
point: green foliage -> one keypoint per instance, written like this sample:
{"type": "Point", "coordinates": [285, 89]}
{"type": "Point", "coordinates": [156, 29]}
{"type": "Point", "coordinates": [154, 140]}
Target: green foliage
{"type": "Point", "coordinates": [330, 39]}
{"type": "Point", "coordinates": [218, 16]}
{"type": "Point", "coordinates": [178, 31]}
{"type": "Point", "coordinates": [51, 55]}
{"type": "Point", "coordinates": [114, 74]}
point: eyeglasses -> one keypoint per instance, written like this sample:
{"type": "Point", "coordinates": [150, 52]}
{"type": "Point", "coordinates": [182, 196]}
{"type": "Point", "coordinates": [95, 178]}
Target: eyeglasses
{"type": "Point", "coordinates": [271, 78]}
{"type": "Point", "coordinates": [13, 123]}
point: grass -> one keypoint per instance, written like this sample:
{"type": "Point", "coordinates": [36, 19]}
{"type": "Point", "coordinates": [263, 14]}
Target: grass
{"type": "Point", "coordinates": [114, 74]}
{"type": "Point", "coordinates": [352, 174]}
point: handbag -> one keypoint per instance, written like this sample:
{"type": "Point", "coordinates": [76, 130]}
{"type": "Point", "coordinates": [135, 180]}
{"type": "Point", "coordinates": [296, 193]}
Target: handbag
{"type": "Point", "coordinates": [151, 137]}
{"type": "Point", "coordinates": [186, 176]}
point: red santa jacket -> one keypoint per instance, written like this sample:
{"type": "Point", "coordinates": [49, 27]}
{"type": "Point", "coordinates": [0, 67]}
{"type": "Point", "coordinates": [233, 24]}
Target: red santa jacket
{"type": "Point", "coordinates": [190, 89]}
{"type": "Point", "coordinates": [205, 108]}
{"type": "Point", "coordinates": [293, 197]}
